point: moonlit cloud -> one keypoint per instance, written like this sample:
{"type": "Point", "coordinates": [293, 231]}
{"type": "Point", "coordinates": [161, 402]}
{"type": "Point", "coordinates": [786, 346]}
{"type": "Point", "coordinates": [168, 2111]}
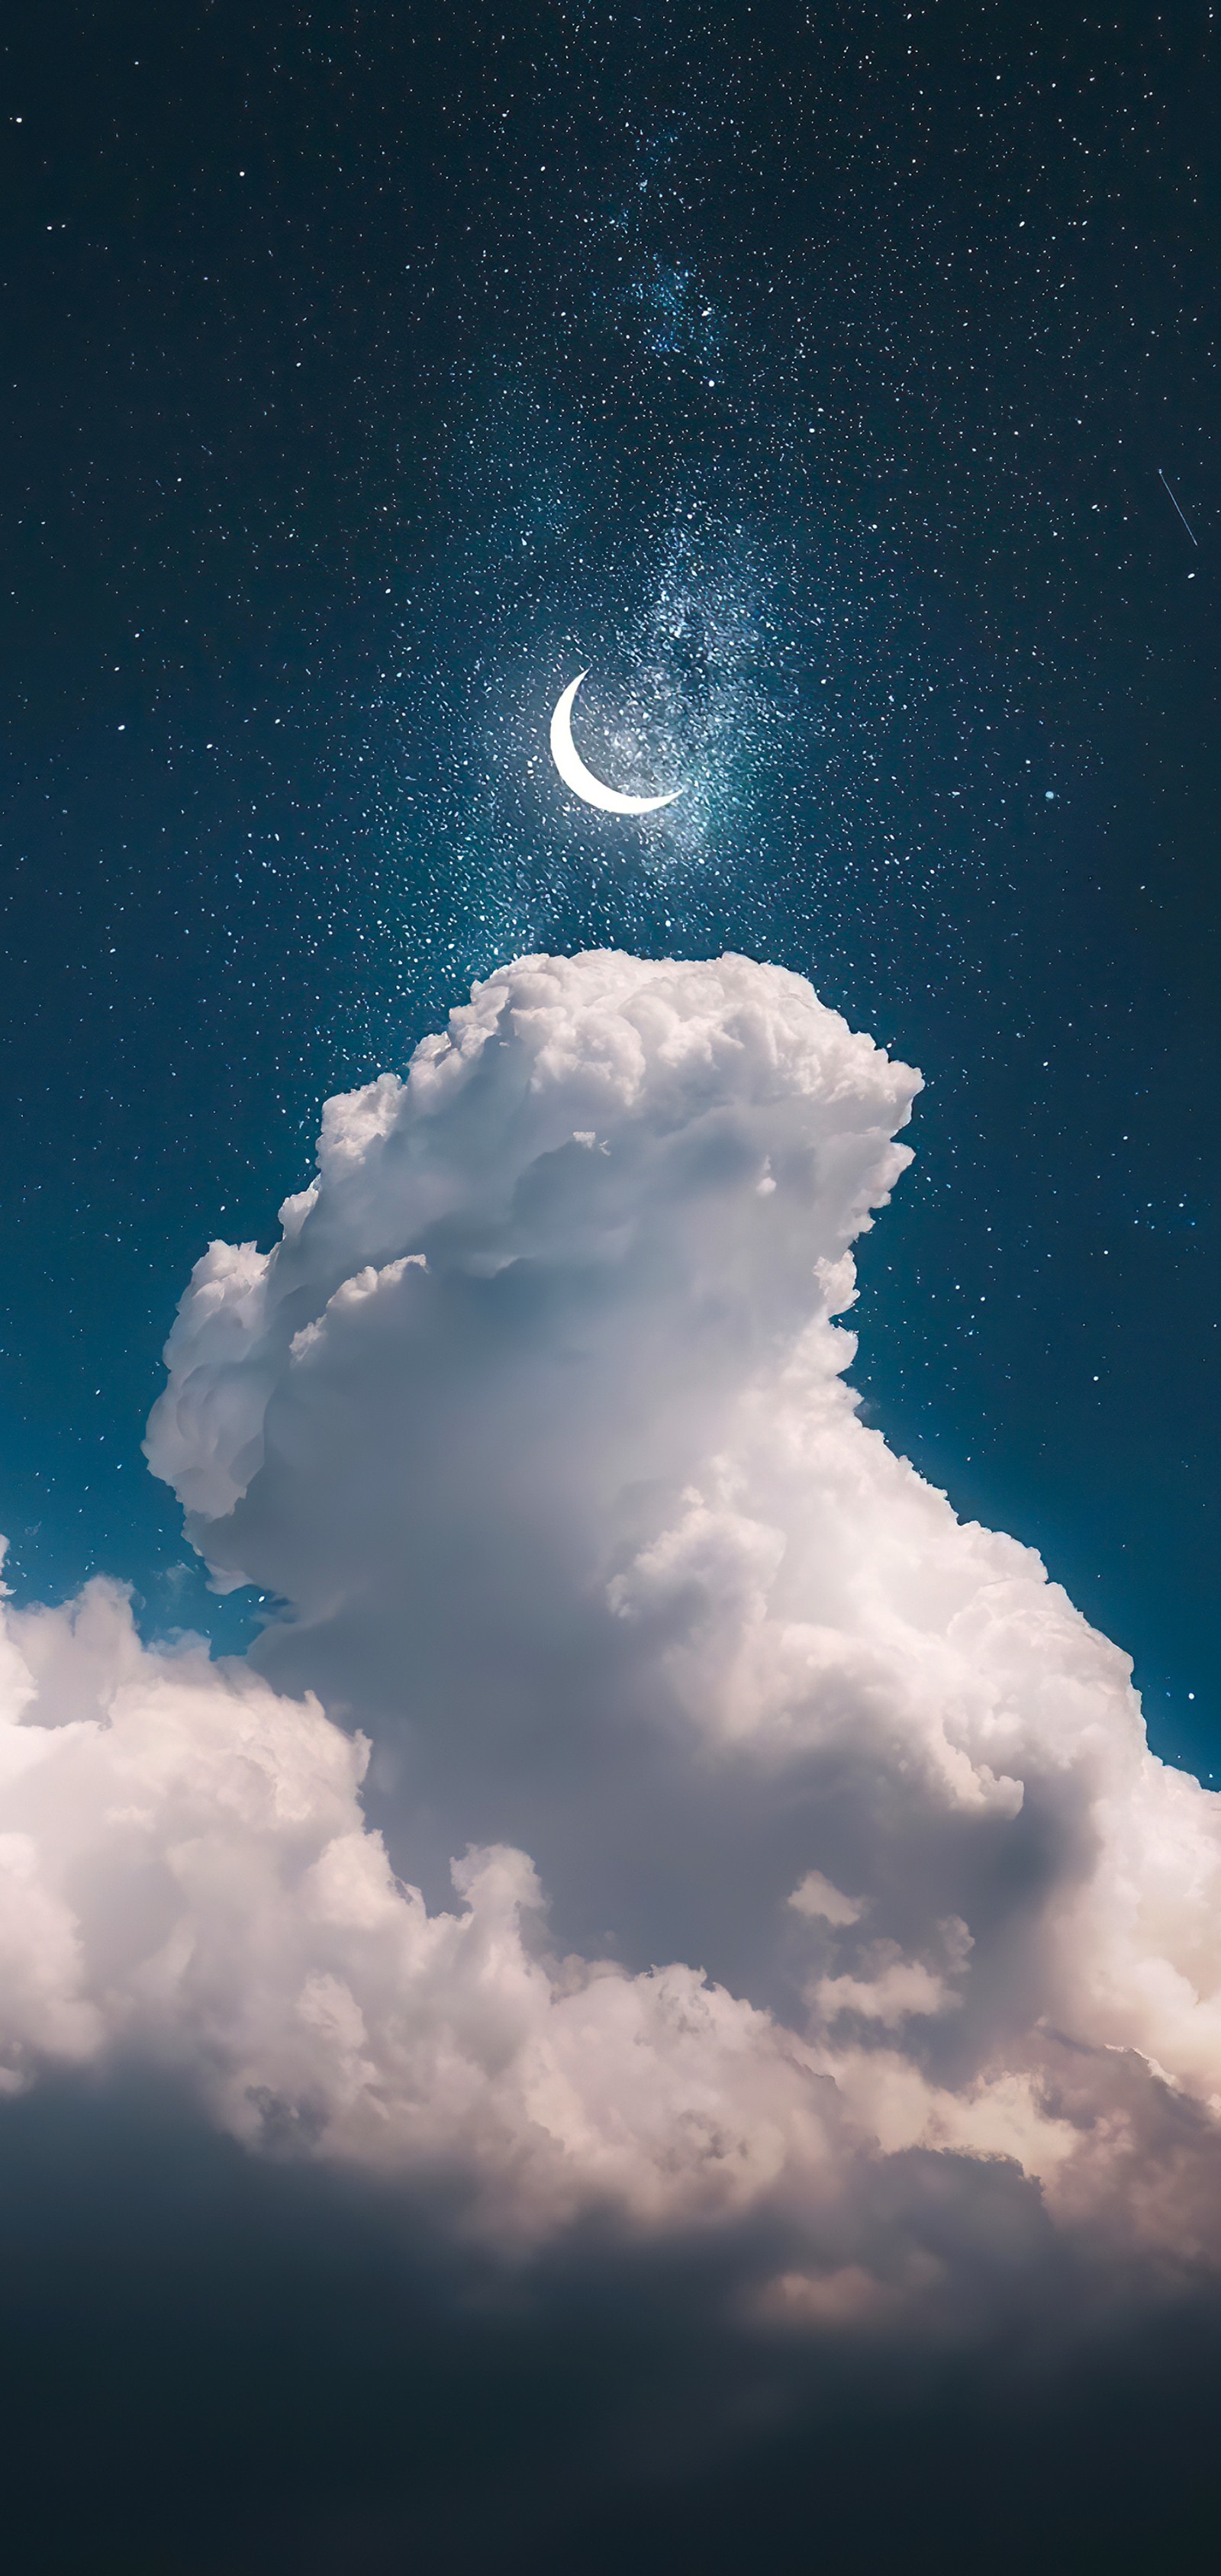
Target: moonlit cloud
{"type": "Point", "coordinates": [655, 1801]}
{"type": "Point", "coordinates": [188, 1877]}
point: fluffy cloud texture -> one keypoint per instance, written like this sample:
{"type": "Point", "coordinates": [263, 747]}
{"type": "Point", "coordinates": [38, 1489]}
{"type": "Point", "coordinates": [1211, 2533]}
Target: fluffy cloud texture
{"type": "Point", "coordinates": [743, 1837]}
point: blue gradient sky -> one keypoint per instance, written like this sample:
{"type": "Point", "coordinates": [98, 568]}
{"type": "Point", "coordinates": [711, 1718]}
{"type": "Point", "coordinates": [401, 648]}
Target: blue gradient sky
{"type": "Point", "coordinates": [368, 380]}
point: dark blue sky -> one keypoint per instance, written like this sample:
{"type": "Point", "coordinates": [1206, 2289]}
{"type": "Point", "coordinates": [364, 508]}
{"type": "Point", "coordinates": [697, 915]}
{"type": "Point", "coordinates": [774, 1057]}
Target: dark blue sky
{"type": "Point", "coordinates": [812, 377]}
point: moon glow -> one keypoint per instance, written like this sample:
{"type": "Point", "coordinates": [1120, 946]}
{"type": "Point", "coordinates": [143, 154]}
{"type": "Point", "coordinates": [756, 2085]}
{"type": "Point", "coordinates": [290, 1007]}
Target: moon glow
{"type": "Point", "coordinates": [581, 780]}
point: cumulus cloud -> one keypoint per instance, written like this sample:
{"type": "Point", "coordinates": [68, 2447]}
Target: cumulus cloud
{"type": "Point", "coordinates": [691, 1819]}
{"type": "Point", "coordinates": [186, 1877]}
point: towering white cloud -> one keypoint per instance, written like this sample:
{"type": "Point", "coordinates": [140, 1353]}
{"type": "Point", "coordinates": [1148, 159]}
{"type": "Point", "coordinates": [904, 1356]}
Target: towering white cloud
{"type": "Point", "coordinates": [852, 1846]}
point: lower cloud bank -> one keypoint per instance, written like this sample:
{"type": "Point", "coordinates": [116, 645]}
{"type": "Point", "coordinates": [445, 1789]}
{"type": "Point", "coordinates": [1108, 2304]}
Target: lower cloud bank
{"type": "Point", "coordinates": [214, 2365]}
{"type": "Point", "coordinates": [670, 1975]}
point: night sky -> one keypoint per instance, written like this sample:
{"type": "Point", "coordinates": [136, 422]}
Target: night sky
{"type": "Point", "coordinates": [812, 378]}
{"type": "Point", "coordinates": [838, 384]}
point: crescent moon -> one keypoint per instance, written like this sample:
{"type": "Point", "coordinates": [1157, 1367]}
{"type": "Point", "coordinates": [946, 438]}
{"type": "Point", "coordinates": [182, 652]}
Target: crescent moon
{"type": "Point", "coordinates": [582, 781]}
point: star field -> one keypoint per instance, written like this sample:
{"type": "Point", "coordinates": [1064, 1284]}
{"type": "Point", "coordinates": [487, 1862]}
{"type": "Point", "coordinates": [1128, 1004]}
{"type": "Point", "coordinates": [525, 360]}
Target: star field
{"type": "Point", "coordinates": [815, 378]}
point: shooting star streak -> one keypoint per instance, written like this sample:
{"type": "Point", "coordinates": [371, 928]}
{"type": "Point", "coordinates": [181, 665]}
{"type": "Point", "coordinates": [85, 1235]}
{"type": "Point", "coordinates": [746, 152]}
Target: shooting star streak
{"type": "Point", "coordinates": [1190, 530]}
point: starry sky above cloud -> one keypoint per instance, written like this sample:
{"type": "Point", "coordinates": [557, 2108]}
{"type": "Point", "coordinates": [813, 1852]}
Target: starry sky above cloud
{"type": "Point", "coordinates": [371, 375]}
